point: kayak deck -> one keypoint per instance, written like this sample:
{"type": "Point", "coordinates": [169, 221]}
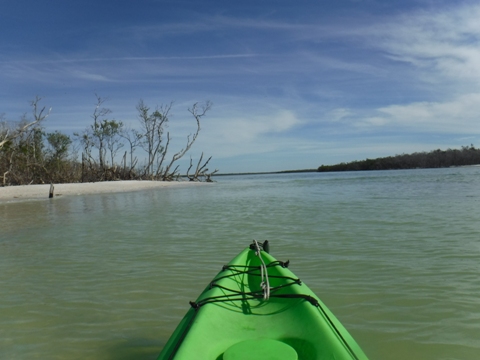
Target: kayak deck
{"type": "Point", "coordinates": [256, 305]}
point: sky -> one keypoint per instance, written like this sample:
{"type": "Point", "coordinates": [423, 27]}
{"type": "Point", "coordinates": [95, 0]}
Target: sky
{"type": "Point", "coordinates": [294, 84]}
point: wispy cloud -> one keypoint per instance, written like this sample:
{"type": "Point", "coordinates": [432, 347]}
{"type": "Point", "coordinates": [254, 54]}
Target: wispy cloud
{"type": "Point", "coordinates": [236, 135]}
{"type": "Point", "coordinates": [214, 23]}
{"type": "Point", "coordinates": [443, 42]}
{"type": "Point", "coordinates": [458, 116]}
{"type": "Point", "coordinates": [88, 59]}
{"type": "Point", "coordinates": [442, 52]}
{"type": "Point", "coordinates": [89, 76]}
{"type": "Point", "coordinates": [120, 69]}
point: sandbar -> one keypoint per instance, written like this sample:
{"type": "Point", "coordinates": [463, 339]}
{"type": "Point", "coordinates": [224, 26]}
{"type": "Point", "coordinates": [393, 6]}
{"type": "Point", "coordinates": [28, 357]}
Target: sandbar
{"type": "Point", "coordinates": [33, 192]}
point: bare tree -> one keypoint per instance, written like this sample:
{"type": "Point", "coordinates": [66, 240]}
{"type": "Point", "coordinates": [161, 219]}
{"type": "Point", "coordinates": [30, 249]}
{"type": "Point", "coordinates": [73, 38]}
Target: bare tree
{"type": "Point", "coordinates": [133, 138]}
{"type": "Point", "coordinates": [112, 130]}
{"type": "Point", "coordinates": [153, 126]}
{"type": "Point", "coordinates": [7, 134]}
{"type": "Point", "coordinates": [98, 131]}
{"type": "Point", "coordinates": [103, 135]}
{"type": "Point", "coordinates": [4, 131]}
{"type": "Point", "coordinates": [22, 147]}
{"type": "Point", "coordinates": [198, 113]}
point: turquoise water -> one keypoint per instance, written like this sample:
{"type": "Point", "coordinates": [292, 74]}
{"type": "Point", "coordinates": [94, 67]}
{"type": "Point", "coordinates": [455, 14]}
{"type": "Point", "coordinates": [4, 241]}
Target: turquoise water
{"type": "Point", "coordinates": [394, 254]}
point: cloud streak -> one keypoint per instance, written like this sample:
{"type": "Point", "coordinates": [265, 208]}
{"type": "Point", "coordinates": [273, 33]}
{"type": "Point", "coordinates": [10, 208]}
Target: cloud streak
{"type": "Point", "coordinates": [458, 116]}
{"type": "Point", "coordinates": [442, 42]}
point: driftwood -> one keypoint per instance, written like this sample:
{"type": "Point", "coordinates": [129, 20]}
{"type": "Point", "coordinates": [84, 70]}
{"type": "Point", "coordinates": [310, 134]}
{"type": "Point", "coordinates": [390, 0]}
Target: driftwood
{"type": "Point", "coordinates": [201, 170]}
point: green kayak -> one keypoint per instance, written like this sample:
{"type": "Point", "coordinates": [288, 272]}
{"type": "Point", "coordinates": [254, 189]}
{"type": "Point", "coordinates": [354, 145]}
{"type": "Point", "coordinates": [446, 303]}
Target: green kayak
{"type": "Point", "coordinates": [257, 309]}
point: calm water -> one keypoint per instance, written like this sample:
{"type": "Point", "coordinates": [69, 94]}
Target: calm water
{"type": "Point", "coordinates": [395, 255]}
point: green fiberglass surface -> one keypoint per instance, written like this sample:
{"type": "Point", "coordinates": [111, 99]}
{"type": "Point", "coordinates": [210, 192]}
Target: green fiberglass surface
{"type": "Point", "coordinates": [235, 318]}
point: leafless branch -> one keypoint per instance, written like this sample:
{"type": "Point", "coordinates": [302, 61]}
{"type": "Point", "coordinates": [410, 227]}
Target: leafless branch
{"type": "Point", "coordinates": [198, 113]}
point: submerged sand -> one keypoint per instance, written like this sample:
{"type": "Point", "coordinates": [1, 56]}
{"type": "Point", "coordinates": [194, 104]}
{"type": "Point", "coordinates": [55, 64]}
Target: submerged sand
{"type": "Point", "coordinates": [31, 192]}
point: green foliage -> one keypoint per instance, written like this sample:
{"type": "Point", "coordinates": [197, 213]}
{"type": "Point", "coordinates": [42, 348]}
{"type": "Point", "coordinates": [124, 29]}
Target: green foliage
{"type": "Point", "coordinates": [59, 145]}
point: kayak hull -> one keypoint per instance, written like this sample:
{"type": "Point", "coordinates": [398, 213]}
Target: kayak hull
{"type": "Point", "coordinates": [235, 312]}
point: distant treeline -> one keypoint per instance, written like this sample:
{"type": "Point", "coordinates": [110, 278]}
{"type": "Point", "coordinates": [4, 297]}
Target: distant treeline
{"type": "Point", "coordinates": [467, 155]}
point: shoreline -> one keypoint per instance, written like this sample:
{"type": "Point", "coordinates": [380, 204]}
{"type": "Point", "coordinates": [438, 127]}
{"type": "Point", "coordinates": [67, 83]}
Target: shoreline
{"type": "Point", "coordinates": [17, 193]}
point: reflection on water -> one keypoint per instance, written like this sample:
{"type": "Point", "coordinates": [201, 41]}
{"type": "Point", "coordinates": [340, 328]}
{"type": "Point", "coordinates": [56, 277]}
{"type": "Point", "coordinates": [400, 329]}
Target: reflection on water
{"type": "Point", "coordinates": [394, 255]}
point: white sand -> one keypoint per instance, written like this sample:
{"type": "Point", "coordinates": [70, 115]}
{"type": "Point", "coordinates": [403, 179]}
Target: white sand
{"type": "Point", "coordinates": [27, 192]}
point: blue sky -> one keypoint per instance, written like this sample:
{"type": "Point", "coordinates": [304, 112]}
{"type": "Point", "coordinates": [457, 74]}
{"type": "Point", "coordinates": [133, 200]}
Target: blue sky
{"type": "Point", "coordinates": [294, 84]}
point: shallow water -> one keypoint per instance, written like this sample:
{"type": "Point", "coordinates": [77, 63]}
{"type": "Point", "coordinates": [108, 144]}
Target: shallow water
{"type": "Point", "coordinates": [394, 254]}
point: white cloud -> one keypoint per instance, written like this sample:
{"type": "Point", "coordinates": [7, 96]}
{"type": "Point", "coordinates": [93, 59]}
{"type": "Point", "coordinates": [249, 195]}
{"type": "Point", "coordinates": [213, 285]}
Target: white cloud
{"type": "Point", "coordinates": [231, 136]}
{"type": "Point", "coordinates": [458, 116]}
{"type": "Point", "coordinates": [339, 114]}
{"type": "Point", "coordinates": [443, 42]}
{"type": "Point", "coordinates": [84, 75]}
{"type": "Point", "coordinates": [241, 129]}
{"type": "Point", "coordinates": [375, 121]}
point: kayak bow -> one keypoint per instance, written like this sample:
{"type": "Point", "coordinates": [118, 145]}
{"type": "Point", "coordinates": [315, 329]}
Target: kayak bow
{"type": "Point", "coordinates": [256, 308]}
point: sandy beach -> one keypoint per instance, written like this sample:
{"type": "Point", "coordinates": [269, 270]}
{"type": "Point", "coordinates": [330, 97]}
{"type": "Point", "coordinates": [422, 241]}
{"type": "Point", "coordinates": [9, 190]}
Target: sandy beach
{"type": "Point", "coordinates": [27, 192]}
